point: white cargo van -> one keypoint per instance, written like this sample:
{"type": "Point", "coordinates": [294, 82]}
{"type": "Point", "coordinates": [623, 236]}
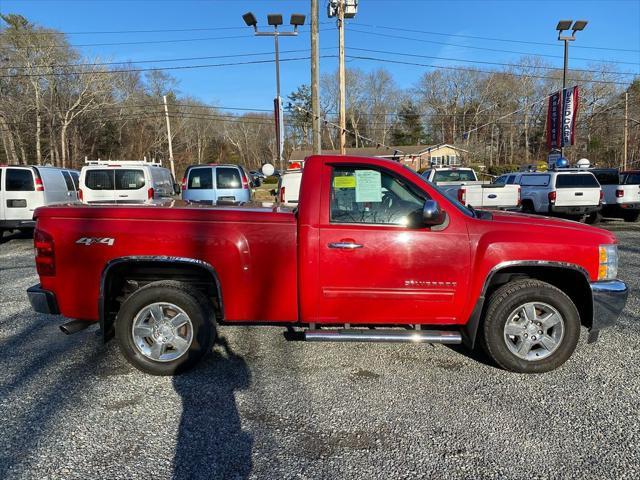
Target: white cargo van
{"type": "Point", "coordinates": [125, 182]}
{"type": "Point", "coordinates": [23, 188]}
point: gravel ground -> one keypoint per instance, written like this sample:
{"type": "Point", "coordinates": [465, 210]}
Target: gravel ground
{"type": "Point", "coordinates": [261, 407]}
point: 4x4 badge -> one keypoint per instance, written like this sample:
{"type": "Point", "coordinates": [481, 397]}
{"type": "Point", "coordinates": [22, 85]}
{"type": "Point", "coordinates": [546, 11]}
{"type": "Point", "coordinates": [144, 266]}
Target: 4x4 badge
{"type": "Point", "coordinates": [96, 240]}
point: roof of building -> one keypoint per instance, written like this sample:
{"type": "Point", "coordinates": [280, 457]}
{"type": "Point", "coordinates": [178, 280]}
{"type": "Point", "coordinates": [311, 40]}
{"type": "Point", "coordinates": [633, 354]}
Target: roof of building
{"type": "Point", "coordinates": [381, 151]}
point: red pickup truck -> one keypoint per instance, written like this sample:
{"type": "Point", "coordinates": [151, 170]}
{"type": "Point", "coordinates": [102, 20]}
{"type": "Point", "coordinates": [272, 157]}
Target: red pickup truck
{"type": "Point", "coordinates": [372, 253]}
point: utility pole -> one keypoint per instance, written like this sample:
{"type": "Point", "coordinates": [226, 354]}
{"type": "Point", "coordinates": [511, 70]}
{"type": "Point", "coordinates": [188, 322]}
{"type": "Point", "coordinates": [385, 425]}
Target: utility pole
{"type": "Point", "coordinates": [626, 128]}
{"type": "Point", "coordinates": [343, 101]}
{"type": "Point", "coordinates": [166, 114]}
{"type": "Point", "coordinates": [316, 135]}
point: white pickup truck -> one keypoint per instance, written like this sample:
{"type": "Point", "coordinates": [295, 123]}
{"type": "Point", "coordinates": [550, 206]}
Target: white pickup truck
{"type": "Point", "coordinates": [571, 193]}
{"type": "Point", "coordinates": [621, 193]}
{"type": "Point", "coordinates": [462, 184]}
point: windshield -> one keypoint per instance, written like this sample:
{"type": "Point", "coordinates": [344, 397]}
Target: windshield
{"type": "Point", "coordinates": [420, 179]}
{"type": "Point", "coordinates": [454, 176]}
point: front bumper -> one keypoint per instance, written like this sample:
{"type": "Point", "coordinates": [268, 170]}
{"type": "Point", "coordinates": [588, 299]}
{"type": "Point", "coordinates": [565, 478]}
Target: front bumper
{"type": "Point", "coordinates": [43, 301]}
{"type": "Point", "coordinates": [609, 299]}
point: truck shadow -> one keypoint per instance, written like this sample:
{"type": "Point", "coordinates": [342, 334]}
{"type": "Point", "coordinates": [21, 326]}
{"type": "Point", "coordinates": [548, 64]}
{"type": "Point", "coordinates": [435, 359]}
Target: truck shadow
{"type": "Point", "coordinates": [211, 443]}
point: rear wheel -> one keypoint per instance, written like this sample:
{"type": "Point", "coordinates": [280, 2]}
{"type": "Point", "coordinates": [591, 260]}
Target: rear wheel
{"type": "Point", "coordinates": [631, 216]}
{"type": "Point", "coordinates": [165, 328]}
{"type": "Point", "coordinates": [530, 327]}
{"type": "Point", "coordinates": [593, 218]}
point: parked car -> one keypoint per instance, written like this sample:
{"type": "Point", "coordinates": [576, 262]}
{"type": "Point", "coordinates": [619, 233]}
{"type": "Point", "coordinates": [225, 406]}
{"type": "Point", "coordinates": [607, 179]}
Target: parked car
{"type": "Point", "coordinates": [621, 195]}
{"type": "Point", "coordinates": [125, 181]}
{"type": "Point", "coordinates": [289, 187]}
{"type": "Point", "coordinates": [373, 253]}
{"type": "Point", "coordinates": [25, 188]}
{"type": "Point", "coordinates": [257, 174]}
{"type": "Point", "coordinates": [571, 193]}
{"type": "Point", "coordinates": [462, 184]}
{"type": "Point", "coordinates": [216, 183]}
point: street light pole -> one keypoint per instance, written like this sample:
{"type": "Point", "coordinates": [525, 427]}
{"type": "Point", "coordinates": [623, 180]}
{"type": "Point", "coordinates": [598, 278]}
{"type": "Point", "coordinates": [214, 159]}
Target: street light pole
{"type": "Point", "coordinates": [341, 79]}
{"type": "Point", "coordinates": [315, 78]}
{"type": "Point", "coordinates": [275, 20]}
{"type": "Point", "coordinates": [562, 26]}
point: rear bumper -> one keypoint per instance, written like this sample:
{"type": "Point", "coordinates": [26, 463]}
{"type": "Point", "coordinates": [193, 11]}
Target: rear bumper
{"type": "Point", "coordinates": [581, 210]}
{"type": "Point", "coordinates": [43, 301]}
{"type": "Point", "coordinates": [609, 299]}
{"type": "Point", "coordinates": [621, 207]}
{"type": "Point", "coordinates": [13, 224]}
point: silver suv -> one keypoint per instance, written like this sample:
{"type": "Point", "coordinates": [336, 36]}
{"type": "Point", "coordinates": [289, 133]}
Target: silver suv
{"type": "Point", "coordinates": [213, 184]}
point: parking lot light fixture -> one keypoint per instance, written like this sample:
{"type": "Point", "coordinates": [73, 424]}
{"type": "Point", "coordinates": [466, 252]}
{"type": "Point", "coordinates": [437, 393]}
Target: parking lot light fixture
{"type": "Point", "coordinates": [564, 25]}
{"type": "Point", "coordinates": [274, 19]}
{"type": "Point", "coordinates": [250, 19]}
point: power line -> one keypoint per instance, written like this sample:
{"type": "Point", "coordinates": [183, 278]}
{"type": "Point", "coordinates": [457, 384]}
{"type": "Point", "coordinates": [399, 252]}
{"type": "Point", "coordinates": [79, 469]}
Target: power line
{"type": "Point", "coordinates": [351, 29]}
{"type": "Point", "coordinates": [491, 63]}
{"type": "Point", "coordinates": [179, 67]}
{"type": "Point", "coordinates": [400, 62]}
{"type": "Point", "coordinates": [493, 39]}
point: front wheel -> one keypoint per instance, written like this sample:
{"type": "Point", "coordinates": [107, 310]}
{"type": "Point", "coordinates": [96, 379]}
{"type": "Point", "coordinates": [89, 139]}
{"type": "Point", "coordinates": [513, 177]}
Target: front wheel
{"type": "Point", "coordinates": [530, 327]}
{"type": "Point", "coordinates": [165, 328]}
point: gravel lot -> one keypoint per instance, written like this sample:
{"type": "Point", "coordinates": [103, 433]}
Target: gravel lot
{"type": "Point", "coordinates": [262, 407]}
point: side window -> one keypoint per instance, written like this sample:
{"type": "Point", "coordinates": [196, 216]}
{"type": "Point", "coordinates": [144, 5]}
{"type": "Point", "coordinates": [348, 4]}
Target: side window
{"type": "Point", "coordinates": [99, 179]}
{"type": "Point", "coordinates": [129, 179]}
{"type": "Point", "coordinates": [75, 177]}
{"type": "Point", "coordinates": [200, 179]}
{"type": "Point", "coordinates": [511, 180]}
{"type": "Point", "coordinates": [228, 177]}
{"type": "Point", "coordinates": [360, 195]}
{"type": "Point", "coordinates": [69, 181]}
{"type": "Point", "coordinates": [500, 180]}
{"type": "Point", "coordinates": [20, 180]}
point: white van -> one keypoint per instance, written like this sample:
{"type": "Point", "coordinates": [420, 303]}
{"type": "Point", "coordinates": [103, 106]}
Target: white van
{"type": "Point", "coordinates": [125, 182]}
{"type": "Point", "coordinates": [23, 188]}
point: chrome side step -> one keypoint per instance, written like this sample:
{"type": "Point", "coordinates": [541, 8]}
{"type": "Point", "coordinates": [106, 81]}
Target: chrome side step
{"type": "Point", "coordinates": [393, 336]}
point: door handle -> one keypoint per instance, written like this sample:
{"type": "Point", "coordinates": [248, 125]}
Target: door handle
{"type": "Point", "coordinates": [345, 245]}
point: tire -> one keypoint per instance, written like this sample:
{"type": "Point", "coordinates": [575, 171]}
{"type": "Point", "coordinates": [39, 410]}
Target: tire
{"type": "Point", "coordinates": [506, 307]}
{"type": "Point", "coordinates": [156, 346]}
{"type": "Point", "coordinates": [527, 207]}
{"type": "Point", "coordinates": [593, 218]}
{"type": "Point", "coordinates": [631, 216]}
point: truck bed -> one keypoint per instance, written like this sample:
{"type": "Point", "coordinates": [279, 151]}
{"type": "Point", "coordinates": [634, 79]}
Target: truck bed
{"type": "Point", "coordinates": [251, 247]}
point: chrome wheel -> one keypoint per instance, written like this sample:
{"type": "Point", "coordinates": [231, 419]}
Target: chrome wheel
{"type": "Point", "coordinates": [534, 331]}
{"type": "Point", "coordinates": [162, 332]}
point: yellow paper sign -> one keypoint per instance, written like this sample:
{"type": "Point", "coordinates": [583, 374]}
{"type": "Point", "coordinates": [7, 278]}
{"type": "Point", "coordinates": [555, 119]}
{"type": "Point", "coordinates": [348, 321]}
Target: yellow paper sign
{"type": "Point", "coordinates": [344, 182]}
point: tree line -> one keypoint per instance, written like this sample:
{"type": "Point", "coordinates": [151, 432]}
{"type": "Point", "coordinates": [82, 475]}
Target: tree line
{"type": "Point", "coordinates": [58, 107]}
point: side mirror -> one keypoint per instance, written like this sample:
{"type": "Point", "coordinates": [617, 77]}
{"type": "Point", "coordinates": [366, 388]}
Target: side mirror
{"type": "Point", "coordinates": [176, 188]}
{"type": "Point", "coordinates": [432, 216]}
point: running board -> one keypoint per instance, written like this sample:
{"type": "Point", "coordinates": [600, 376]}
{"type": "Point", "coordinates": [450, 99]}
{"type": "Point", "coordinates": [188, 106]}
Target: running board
{"type": "Point", "coordinates": [393, 336]}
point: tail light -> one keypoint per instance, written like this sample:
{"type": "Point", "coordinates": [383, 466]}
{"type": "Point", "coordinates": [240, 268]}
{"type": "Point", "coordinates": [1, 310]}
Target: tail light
{"type": "Point", "coordinates": [245, 181]}
{"type": "Point", "coordinates": [552, 197]}
{"type": "Point", "coordinates": [519, 198]}
{"type": "Point", "coordinates": [619, 193]}
{"type": "Point", "coordinates": [39, 185]}
{"type": "Point", "coordinates": [602, 195]}
{"type": "Point", "coordinates": [282, 194]}
{"type": "Point", "coordinates": [184, 183]}
{"type": "Point", "coordinates": [80, 195]}
{"type": "Point", "coordinates": [462, 195]}
{"type": "Point", "coordinates": [151, 193]}
{"type": "Point", "coordinates": [45, 254]}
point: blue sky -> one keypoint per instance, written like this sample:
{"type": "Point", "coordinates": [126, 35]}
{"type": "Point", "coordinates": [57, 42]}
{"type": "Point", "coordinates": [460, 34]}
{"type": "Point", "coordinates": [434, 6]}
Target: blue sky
{"type": "Point", "coordinates": [445, 30]}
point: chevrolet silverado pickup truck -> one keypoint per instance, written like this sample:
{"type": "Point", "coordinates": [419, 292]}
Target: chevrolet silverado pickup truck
{"type": "Point", "coordinates": [462, 184]}
{"type": "Point", "coordinates": [373, 252]}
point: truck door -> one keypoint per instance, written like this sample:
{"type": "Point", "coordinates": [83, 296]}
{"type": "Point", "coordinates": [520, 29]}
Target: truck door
{"type": "Point", "coordinates": [376, 263]}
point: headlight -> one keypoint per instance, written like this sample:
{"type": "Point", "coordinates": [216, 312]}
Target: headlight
{"type": "Point", "coordinates": [607, 262]}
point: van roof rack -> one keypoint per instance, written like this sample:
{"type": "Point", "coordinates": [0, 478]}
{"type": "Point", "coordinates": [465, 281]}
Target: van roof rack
{"type": "Point", "coordinates": [151, 162]}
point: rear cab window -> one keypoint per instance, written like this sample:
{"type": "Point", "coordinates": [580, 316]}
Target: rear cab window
{"type": "Point", "coordinates": [228, 178]}
{"type": "Point", "coordinates": [607, 177]}
{"type": "Point", "coordinates": [454, 176]}
{"type": "Point", "coordinates": [200, 179]}
{"type": "Point", "coordinates": [631, 179]}
{"type": "Point", "coordinates": [19, 180]}
{"type": "Point", "coordinates": [580, 180]}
